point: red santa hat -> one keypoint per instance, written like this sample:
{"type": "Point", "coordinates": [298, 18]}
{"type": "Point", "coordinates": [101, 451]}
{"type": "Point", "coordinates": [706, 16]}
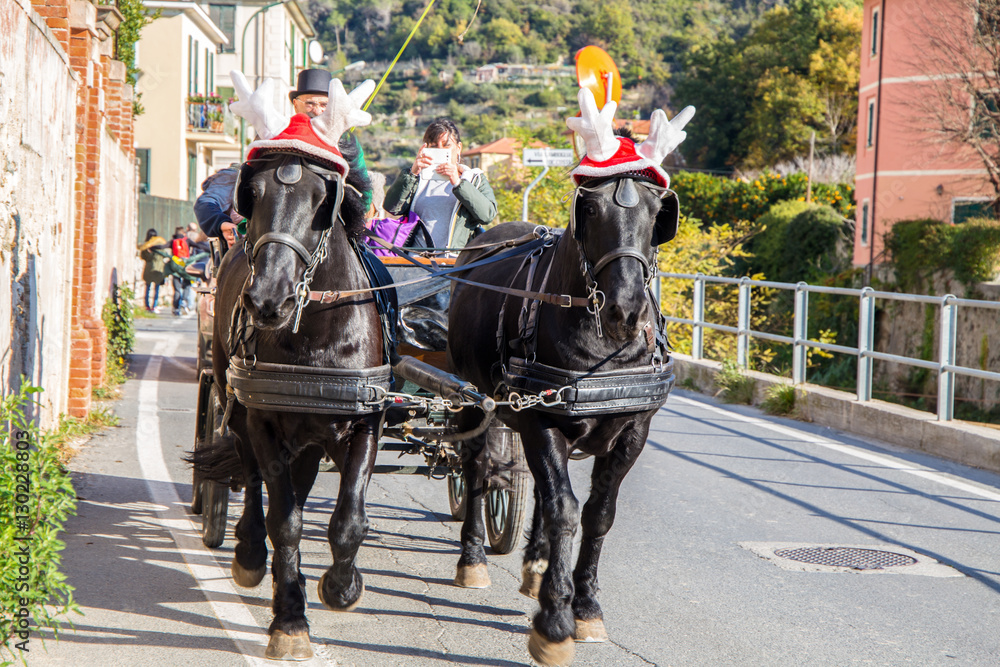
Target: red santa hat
{"type": "Point", "coordinates": [609, 155]}
{"type": "Point", "coordinates": [317, 137]}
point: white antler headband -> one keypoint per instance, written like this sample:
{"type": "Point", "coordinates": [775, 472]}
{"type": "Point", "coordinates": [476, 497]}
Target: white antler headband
{"type": "Point", "coordinates": [596, 127]}
{"type": "Point", "coordinates": [664, 136]}
{"type": "Point", "coordinates": [343, 111]}
{"type": "Point", "coordinates": [257, 107]}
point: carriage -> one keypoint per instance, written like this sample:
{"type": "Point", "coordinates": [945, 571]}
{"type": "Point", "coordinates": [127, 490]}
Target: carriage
{"type": "Point", "coordinates": [567, 374]}
{"type": "Point", "coordinates": [414, 425]}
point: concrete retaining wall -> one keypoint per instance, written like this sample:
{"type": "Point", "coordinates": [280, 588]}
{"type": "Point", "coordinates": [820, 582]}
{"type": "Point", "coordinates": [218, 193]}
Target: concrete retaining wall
{"type": "Point", "coordinates": [963, 442]}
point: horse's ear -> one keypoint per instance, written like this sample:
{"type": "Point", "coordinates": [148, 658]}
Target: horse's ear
{"type": "Point", "coordinates": [665, 228]}
{"type": "Point", "coordinates": [242, 197]}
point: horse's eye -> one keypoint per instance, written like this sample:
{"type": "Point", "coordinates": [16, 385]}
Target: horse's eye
{"type": "Point", "coordinates": [589, 209]}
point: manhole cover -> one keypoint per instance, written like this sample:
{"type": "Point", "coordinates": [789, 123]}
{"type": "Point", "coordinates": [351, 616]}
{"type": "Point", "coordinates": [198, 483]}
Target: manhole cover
{"type": "Point", "coordinates": [854, 558]}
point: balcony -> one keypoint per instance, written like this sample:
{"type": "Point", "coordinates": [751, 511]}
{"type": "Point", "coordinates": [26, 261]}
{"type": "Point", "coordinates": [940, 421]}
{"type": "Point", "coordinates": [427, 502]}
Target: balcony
{"type": "Point", "coordinates": [211, 124]}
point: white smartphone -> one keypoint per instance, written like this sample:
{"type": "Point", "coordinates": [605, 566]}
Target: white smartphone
{"type": "Point", "coordinates": [438, 156]}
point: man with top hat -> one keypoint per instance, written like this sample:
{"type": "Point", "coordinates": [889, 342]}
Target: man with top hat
{"type": "Point", "coordinates": [310, 95]}
{"type": "Point", "coordinates": [214, 208]}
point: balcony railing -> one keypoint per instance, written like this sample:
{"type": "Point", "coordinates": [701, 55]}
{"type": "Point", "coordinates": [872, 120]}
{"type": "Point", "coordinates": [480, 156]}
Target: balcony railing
{"type": "Point", "coordinates": [211, 115]}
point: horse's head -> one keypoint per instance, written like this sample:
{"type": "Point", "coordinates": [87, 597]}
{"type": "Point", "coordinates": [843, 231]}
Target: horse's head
{"type": "Point", "coordinates": [617, 224]}
{"type": "Point", "coordinates": [622, 209]}
{"type": "Point", "coordinates": [292, 204]}
{"type": "Point", "coordinates": [292, 192]}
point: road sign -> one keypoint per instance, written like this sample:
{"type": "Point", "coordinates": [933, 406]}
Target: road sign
{"type": "Point", "coordinates": [547, 157]}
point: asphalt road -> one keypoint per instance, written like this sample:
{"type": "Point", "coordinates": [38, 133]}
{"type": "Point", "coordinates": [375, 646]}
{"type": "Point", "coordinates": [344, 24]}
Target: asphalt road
{"type": "Point", "coordinates": [682, 576]}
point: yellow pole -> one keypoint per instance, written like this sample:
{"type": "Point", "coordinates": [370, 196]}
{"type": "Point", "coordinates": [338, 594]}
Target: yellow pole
{"type": "Point", "coordinates": [401, 49]}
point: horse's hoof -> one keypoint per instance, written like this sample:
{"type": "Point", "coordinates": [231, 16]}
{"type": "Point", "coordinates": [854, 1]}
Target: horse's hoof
{"type": "Point", "coordinates": [472, 576]}
{"type": "Point", "coordinates": [350, 607]}
{"type": "Point", "coordinates": [284, 646]}
{"type": "Point", "coordinates": [531, 577]}
{"type": "Point", "coordinates": [247, 578]}
{"type": "Point", "coordinates": [591, 631]}
{"type": "Point", "coordinates": [549, 653]}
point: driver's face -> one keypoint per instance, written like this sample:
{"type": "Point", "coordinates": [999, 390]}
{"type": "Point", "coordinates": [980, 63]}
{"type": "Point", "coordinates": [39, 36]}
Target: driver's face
{"type": "Point", "coordinates": [309, 104]}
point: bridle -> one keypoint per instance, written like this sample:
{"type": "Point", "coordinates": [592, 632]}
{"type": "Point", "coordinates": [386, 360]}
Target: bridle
{"type": "Point", "coordinates": [625, 196]}
{"type": "Point", "coordinates": [290, 173]}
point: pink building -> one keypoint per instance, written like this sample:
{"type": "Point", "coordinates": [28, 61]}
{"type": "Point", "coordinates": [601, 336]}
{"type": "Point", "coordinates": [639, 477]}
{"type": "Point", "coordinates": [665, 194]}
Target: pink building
{"type": "Point", "coordinates": [911, 89]}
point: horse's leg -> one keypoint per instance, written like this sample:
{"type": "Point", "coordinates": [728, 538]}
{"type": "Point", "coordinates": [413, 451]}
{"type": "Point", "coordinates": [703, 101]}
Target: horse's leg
{"type": "Point", "coordinates": [341, 587]}
{"type": "Point", "coordinates": [536, 554]}
{"type": "Point", "coordinates": [472, 571]}
{"type": "Point", "coordinates": [289, 630]}
{"type": "Point", "coordinates": [595, 521]}
{"type": "Point", "coordinates": [250, 556]}
{"type": "Point", "coordinates": [551, 640]}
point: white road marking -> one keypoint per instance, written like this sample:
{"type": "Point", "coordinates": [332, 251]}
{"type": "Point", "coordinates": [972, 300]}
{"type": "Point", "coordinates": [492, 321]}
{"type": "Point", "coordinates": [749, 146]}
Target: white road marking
{"type": "Point", "coordinates": [880, 459]}
{"type": "Point", "coordinates": [214, 581]}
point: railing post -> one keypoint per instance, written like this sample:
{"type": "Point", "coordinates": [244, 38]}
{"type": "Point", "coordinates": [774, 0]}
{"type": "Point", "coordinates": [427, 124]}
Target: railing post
{"type": "Point", "coordinates": [743, 324]}
{"type": "Point", "coordinates": [866, 342]}
{"type": "Point", "coordinates": [946, 357]}
{"type": "Point", "coordinates": [698, 332]}
{"type": "Point", "coordinates": [800, 333]}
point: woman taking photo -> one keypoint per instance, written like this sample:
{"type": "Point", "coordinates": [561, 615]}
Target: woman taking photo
{"type": "Point", "coordinates": [453, 201]}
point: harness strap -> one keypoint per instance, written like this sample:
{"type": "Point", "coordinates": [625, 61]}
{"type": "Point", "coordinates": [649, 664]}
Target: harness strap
{"type": "Point", "coordinates": [617, 254]}
{"type": "Point", "coordinates": [285, 239]}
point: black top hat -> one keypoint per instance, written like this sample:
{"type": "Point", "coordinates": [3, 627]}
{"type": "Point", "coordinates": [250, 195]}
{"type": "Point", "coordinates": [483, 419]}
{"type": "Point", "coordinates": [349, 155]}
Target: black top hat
{"type": "Point", "coordinates": [312, 82]}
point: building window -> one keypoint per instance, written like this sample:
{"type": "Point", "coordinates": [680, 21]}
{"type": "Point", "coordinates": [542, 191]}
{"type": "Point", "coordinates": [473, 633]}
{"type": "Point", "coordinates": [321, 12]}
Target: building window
{"type": "Point", "coordinates": [190, 65]}
{"type": "Point", "coordinates": [208, 73]}
{"type": "Point", "coordinates": [195, 59]}
{"type": "Point", "coordinates": [870, 132]}
{"type": "Point", "coordinates": [865, 207]}
{"type": "Point", "coordinates": [964, 209]}
{"type": "Point", "coordinates": [142, 158]}
{"type": "Point", "coordinates": [224, 16]}
{"type": "Point", "coordinates": [986, 114]}
{"type": "Point", "coordinates": [875, 26]}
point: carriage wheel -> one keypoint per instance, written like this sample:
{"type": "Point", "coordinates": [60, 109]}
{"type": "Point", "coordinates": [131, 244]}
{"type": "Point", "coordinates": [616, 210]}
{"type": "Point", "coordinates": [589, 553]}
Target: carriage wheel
{"type": "Point", "coordinates": [215, 496]}
{"type": "Point", "coordinates": [202, 435]}
{"type": "Point", "coordinates": [507, 505]}
{"type": "Point", "coordinates": [456, 495]}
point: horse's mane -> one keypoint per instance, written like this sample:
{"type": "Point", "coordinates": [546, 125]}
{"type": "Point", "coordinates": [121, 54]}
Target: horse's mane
{"type": "Point", "coordinates": [353, 210]}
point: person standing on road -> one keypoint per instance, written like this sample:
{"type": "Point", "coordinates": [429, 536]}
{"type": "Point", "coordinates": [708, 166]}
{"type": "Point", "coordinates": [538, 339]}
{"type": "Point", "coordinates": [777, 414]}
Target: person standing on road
{"type": "Point", "coordinates": [453, 201]}
{"type": "Point", "coordinates": [155, 257]}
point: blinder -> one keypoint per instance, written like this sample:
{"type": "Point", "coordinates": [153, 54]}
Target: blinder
{"type": "Point", "coordinates": [626, 195]}
{"type": "Point", "coordinates": [665, 228]}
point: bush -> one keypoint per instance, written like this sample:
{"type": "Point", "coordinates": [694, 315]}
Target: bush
{"type": "Point", "coordinates": [40, 497]}
{"type": "Point", "coordinates": [800, 241]}
{"type": "Point", "coordinates": [779, 399]}
{"type": "Point", "coordinates": [918, 248]}
{"type": "Point", "coordinates": [975, 251]}
{"type": "Point", "coordinates": [718, 200]}
{"type": "Point", "coordinates": [734, 385]}
{"type": "Point", "coordinates": [119, 320]}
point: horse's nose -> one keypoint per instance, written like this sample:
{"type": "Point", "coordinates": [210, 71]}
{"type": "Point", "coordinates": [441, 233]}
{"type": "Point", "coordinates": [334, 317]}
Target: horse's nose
{"type": "Point", "coordinates": [624, 324]}
{"type": "Point", "coordinates": [266, 310]}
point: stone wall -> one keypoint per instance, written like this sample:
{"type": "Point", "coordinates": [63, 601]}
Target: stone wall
{"type": "Point", "coordinates": [38, 91]}
{"type": "Point", "coordinates": [901, 328]}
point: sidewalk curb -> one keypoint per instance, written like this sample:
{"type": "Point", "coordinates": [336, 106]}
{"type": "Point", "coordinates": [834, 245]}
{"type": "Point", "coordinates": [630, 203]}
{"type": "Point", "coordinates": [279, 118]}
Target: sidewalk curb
{"type": "Point", "coordinates": [962, 442]}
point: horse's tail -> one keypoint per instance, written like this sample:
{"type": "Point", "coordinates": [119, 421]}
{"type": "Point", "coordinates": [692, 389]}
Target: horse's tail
{"type": "Point", "coordinates": [219, 462]}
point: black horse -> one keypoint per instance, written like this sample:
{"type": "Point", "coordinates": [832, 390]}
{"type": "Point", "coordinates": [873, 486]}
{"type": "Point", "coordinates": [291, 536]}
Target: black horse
{"type": "Point", "coordinates": [302, 220]}
{"type": "Point", "coordinates": [616, 225]}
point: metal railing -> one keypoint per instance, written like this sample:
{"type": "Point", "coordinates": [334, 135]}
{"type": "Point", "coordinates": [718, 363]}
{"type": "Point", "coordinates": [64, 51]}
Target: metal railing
{"type": "Point", "coordinates": [945, 366]}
